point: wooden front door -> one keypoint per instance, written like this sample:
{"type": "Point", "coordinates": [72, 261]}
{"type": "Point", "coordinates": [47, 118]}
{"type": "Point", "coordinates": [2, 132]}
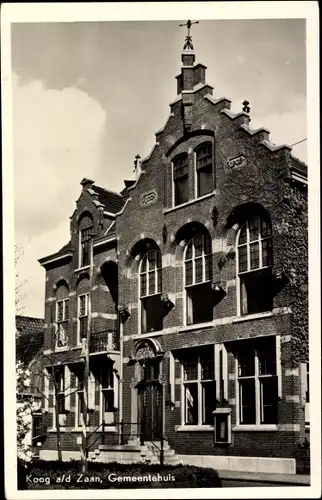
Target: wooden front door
{"type": "Point", "coordinates": [150, 400]}
{"type": "Point", "coordinates": [151, 408]}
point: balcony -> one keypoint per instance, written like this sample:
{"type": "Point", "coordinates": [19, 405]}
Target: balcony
{"type": "Point", "coordinates": [107, 340]}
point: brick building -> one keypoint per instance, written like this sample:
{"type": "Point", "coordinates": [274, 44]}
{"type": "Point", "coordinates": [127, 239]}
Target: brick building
{"type": "Point", "coordinates": [193, 283]}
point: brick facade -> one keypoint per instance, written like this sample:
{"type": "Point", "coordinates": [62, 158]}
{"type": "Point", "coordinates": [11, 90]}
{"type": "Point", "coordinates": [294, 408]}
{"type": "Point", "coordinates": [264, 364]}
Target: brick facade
{"type": "Point", "coordinates": [250, 178]}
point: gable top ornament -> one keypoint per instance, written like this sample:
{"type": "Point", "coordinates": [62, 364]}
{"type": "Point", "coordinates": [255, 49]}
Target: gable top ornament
{"type": "Point", "coordinates": [188, 39]}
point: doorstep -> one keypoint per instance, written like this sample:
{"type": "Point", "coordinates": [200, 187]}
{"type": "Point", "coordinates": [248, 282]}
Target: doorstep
{"type": "Point", "coordinates": [285, 479]}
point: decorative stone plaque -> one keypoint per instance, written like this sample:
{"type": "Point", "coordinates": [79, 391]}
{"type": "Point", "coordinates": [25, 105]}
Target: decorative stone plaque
{"type": "Point", "coordinates": [236, 162]}
{"type": "Point", "coordinates": [148, 198]}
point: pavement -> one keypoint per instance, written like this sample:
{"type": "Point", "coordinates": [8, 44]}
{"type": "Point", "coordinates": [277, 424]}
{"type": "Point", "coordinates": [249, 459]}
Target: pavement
{"type": "Point", "coordinates": [262, 477]}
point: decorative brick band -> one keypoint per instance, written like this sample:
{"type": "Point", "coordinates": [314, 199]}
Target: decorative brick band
{"type": "Point", "coordinates": [289, 427]}
{"type": "Point", "coordinates": [295, 398]}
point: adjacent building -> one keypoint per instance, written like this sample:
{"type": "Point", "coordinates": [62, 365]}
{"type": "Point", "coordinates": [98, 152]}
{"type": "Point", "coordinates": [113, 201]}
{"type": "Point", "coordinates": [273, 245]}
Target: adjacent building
{"type": "Point", "coordinates": [192, 283]}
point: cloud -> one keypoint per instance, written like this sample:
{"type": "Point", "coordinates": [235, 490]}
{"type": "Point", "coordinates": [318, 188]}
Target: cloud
{"type": "Point", "coordinates": [57, 141]}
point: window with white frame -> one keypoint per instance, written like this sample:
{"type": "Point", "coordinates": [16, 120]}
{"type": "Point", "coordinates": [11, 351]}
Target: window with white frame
{"type": "Point", "coordinates": [85, 235]}
{"type": "Point", "coordinates": [181, 179]}
{"type": "Point", "coordinates": [254, 246]}
{"type": "Point", "coordinates": [80, 398]}
{"type": "Point", "coordinates": [62, 316]}
{"type": "Point", "coordinates": [198, 387]}
{"type": "Point", "coordinates": [150, 291]}
{"type": "Point", "coordinates": [197, 279]}
{"type": "Point", "coordinates": [204, 169]}
{"type": "Point", "coordinates": [257, 382]}
{"type": "Point", "coordinates": [107, 390]}
{"type": "Point", "coordinates": [82, 316]}
{"type": "Point", "coordinates": [59, 374]}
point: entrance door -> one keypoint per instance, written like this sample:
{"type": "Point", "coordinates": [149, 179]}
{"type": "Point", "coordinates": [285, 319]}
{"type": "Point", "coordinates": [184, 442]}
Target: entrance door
{"type": "Point", "coordinates": [151, 408]}
{"type": "Point", "coordinates": [150, 392]}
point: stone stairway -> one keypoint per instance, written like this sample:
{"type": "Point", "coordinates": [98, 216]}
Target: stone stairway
{"type": "Point", "coordinates": [134, 452]}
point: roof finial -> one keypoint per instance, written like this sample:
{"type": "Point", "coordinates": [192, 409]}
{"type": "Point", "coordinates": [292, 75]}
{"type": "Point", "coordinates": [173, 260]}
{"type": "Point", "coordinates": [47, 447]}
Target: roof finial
{"type": "Point", "coordinates": [188, 39]}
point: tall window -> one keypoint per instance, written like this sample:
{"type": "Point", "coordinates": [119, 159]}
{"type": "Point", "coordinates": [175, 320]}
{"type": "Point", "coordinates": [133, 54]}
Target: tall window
{"type": "Point", "coordinates": [257, 383]}
{"type": "Point", "coordinates": [199, 393]}
{"type": "Point", "coordinates": [60, 383]}
{"type": "Point", "coordinates": [198, 276]}
{"type": "Point", "coordinates": [204, 169]}
{"type": "Point", "coordinates": [150, 291]}
{"type": "Point", "coordinates": [80, 398]}
{"type": "Point", "coordinates": [180, 179]}
{"type": "Point", "coordinates": [254, 266]}
{"type": "Point", "coordinates": [85, 232]}
{"type": "Point", "coordinates": [62, 315]}
{"type": "Point", "coordinates": [82, 316]}
{"type": "Point", "coordinates": [107, 388]}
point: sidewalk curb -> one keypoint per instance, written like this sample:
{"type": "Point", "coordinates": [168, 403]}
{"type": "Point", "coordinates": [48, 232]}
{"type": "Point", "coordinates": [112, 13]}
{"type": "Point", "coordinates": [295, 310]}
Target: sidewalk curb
{"type": "Point", "coordinates": [285, 479]}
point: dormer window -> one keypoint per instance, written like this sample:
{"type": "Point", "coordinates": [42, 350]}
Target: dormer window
{"type": "Point", "coordinates": [204, 169]}
{"type": "Point", "coordinates": [85, 234]}
{"type": "Point", "coordinates": [180, 179]}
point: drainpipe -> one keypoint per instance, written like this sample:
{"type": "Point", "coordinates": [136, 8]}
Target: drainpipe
{"type": "Point", "coordinates": [120, 401]}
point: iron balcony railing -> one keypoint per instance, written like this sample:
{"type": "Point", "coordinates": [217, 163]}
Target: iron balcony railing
{"type": "Point", "coordinates": [108, 340]}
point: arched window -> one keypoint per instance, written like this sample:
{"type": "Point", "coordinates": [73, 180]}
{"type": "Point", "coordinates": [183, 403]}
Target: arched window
{"type": "Point", "coordinates": [204, 169]}
{"type": "Point", "coordinates": [254, 246]}
{"type": "Point", "coordinates": [198, 277]}
{"type": "Point", "coordinates": [150, 291]}
{"type": "Point", "coordinates": [85, 233]}
{"type": "Point", "coordinates": [181, 179]}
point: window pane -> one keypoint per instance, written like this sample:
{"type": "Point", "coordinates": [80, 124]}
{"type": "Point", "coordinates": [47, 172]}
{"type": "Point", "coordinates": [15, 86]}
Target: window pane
{"type": "Point", "coordinates": [60, 311]}
{"type": "Point", "coordinates": [208, 267]}
{"type": "Point", "coordinates": [61, 403]}
{"type": "Point", "coordinates": [82, 304]}
{"type": "Point", "coordinates": [247, 401]}
{"type": "Point", "coordinates": [207, 366]}
{"type": "Point", "coordinates": [191, 404]}
{"type": "Point", "coordinates": [204, 181]}
{"type": "Point", "coordinates": [181, 190]}
{"type": "Point", "coordinates": [190, 369]}
{"type": "Point", "coordinates": [267, 252]}
{"type": "Point", "coordinates": [143, 285]}
{"type": "Point", "coordinates": [180, 166]}
{"type": "Point", "coordinates": [246, 362]}
{"type": "Point", "coordinates": [198, 244]}
{"type": "Point", "coordinates": [151, 314]}
{"type": "Point", "coordinates": [143, 264]}
{"type": "Point", "coordinates": [242, 252]}
{"type": "Point", "coordinates": [152, 260]}
{"type": "Point", "coordinates": [254, 256]}
{"type": "Point", "coordinates": [243, 235]}
{"type": "Point", "coordinates": [85, 254]}
{"type": "Point", "coordinates": [267, 357]}
{"type": "Point", "coordinates": [189, 251]}
{"type": "Point", "coordinates": [159, 259]}
{"type": "Point", "coordinates": [108, 400]}
{"type": "Point", "coordinates": [253, 301]}
{"type": "Point", "coordinates": [188, 267]}
{"type": "Point", "coordinates": [208, 402]}
{"type": "Point", "coordinates": [200, 303]}
{"type": "Point", "coordinates": [151, 277]}
{"type": "Point", "coordinates": [83, 327]}
{"type": "Point", "coordinates": [198, 270]}
{"type": "Point", "coordinates": [265, 229]}
{"type": "Point", "coordinates": [268, 388]}
{"type": "Point", "coordinates": [253, 229]}
{"type": "Point", "coordinates": [66, 316]}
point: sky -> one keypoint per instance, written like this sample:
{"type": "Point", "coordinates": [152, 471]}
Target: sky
{"type": "Point", "coordinates": [88, 96]}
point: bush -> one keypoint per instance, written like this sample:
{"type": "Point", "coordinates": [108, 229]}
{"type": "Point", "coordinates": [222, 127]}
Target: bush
{"type": "Point", "coordinates": [42, 474]}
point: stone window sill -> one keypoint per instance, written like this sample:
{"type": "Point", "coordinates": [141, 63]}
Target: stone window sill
{"type": "Point", "coordinates": [84, 268]}
{"type": "Point", "coordinates": [249, 317]}
{"type": "Point", "coordinates": [255, 428]}
{"type": "Point", "coordinates": [194, 428]}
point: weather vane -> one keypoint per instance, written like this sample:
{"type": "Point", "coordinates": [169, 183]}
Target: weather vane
{"type": "Point", "coordinates": [188, 39]}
